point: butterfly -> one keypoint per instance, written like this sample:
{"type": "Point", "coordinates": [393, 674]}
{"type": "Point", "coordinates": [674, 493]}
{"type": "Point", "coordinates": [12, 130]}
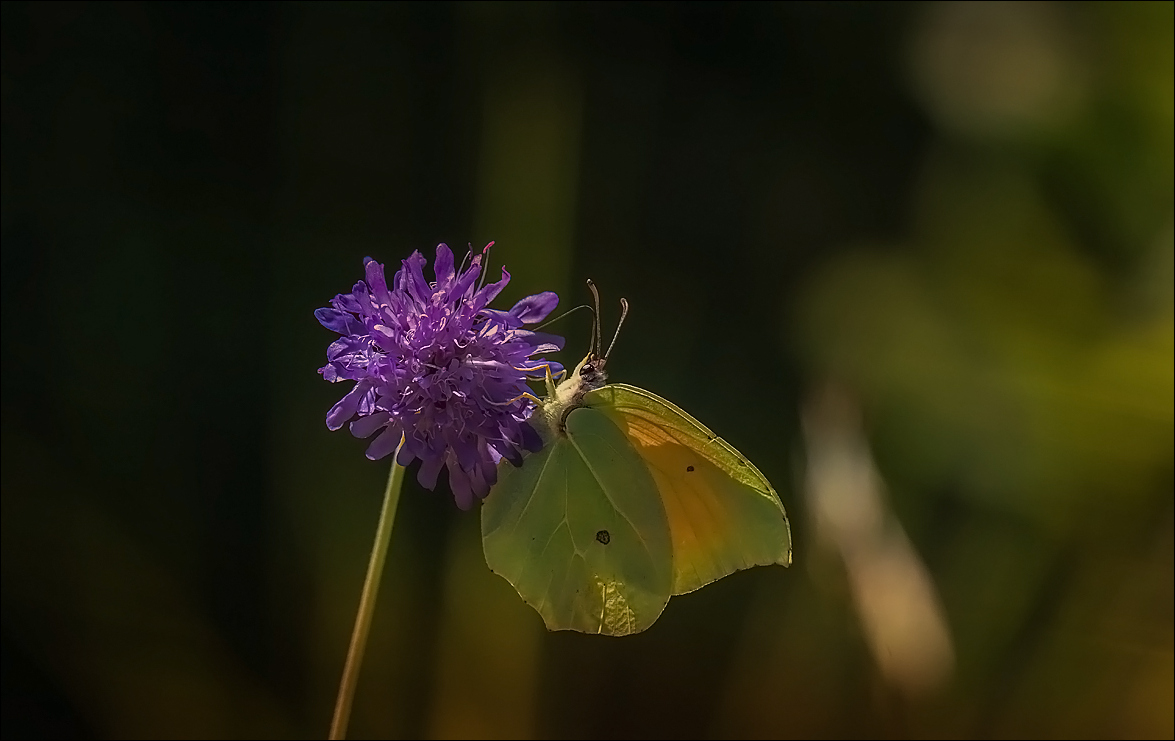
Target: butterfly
{"type": "Point", "coordinates": [629, 502]}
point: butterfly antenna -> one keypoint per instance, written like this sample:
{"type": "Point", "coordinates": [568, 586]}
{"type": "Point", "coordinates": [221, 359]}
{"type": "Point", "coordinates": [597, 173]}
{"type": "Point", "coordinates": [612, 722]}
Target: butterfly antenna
{"type": "Point", "coordinates": [564, 314]}
{"type": "Point", "coordinates": [597, 341]}
{"type": "Point", "coordinates": [623, 314]}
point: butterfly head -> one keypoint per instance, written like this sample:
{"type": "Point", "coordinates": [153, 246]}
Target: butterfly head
{"type": "Point", "coordinates": [589, 375]}
{"type": "Point", "coordinates": [591, 372]}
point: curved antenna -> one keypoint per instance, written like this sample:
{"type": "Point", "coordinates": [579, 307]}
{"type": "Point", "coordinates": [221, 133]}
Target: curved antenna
{"type": "Point", "coordinates": [623, 314]}
{"type": "Point", "coordinates": [564, 314]}
{"type": "Point", "coordinates": [597, 342]}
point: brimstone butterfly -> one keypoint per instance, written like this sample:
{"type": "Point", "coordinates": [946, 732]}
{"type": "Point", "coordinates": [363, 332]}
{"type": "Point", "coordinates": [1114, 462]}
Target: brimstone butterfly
{"type": "Point", "coordinates": [629, 502]}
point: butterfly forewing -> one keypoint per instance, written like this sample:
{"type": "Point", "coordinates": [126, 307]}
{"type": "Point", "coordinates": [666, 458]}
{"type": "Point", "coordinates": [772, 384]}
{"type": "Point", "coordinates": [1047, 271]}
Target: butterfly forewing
{"type": "Point", "coordinates": [723, 514]}
{"type": "Point", "coordinates": [580, 531]}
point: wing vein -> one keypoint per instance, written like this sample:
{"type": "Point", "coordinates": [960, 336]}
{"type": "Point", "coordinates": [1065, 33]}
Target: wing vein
{"type": "Point", "coordinates": [640, 536]}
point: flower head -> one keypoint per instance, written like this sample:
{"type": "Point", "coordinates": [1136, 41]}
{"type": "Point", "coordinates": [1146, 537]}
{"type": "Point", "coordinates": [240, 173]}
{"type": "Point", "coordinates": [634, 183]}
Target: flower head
{"type": "Point", "coordinates": [433, 366]}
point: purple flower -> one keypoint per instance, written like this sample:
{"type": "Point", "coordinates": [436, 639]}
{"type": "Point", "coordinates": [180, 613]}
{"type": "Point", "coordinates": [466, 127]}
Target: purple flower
{"type": "Point", "coordinates": [433, 365]}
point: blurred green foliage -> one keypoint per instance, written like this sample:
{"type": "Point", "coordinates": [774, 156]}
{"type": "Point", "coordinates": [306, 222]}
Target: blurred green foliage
{"type": "Point", "coordinates": [961, 213]}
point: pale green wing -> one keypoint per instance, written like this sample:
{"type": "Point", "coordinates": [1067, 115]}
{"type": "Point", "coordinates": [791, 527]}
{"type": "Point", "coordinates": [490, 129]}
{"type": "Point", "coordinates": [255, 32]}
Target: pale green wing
{"type": "Point", "coordinates": [580, 531]}
{"type": "Point", "coordinates": [723, 514]}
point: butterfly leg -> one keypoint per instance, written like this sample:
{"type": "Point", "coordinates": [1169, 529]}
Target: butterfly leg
{"type": "Point", "coordinates": [524, 395]}
{"type": "Point", "coordinates": [550, 380]}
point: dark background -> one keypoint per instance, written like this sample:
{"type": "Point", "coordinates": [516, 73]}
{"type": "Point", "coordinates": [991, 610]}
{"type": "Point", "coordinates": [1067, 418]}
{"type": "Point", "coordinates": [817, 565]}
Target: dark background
{"type": "Point", "coordinates": [959, 215]}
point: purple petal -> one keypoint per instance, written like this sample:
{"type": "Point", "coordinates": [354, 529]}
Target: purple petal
{"type": "Point", "coordinates": [459, 484]}
{"type": "Point", "coordinates": [367, 404]}
{"type": "Point", "coordinates": [535, 308]}
{"type": "Point", "coordinates": [406, 455]}
{"type": "Point", "coordinates": [506, 449]}
{"type": "Point", "coordinates": [347, 302]}
{"type": "Point", "coordinates": [346, 345]}
{"type": "Point", "coordinates": [384, 443]}
{"type": "Point", "coordinates": [346, 407]}
{"type": "Point", "coordinates": [365, 426]}
{"type": "Point", "coordinates": [499, 317]}
{"type": "Point", "coordinates": [375, 281]}
{"type": "Point", "coordinates": [334, 320]}
{"type": "Point", "coordinates": [466, 280]}
{"type": "Point", "coordinates": [489, 291]}
{"type": "Point", "coordinates": [489, 367]}
{"type": "Point", "coordinates": [415, 283]}
{"type": "Point", "coordinates": [478, 483]}
{"type": "Point", "coordinates": [530, 439]}
{"type": "Point", "coordinates": [464, 448]}
{"type": "Point", "coordinates": [398, 278]}
{"type": "Point", "coordinates": [489, 473]}
{"type": "Point", "coordinates": [443, 267]}
{"type": "Point", "coordinates": [544, 348]}
{"type": "Point", "coordinates": [429, 469]}
{"type": "Point", "coordinates": [361, 298]}
{"type": "Point", "coordinates": [537, 339]}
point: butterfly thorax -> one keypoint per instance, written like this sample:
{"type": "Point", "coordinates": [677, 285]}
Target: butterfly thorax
{"type": "Point", "coordinates": [588, 376]}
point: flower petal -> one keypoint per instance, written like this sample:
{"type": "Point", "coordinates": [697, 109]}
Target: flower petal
{"type": "Point", "coordinates": [406, 455]}
{"type": "Point", "coordinates": [506, 448]}
{"type": "Point", "coordinates": [346, 407]}
{"type": "Point", "coordinates": [365, 426]}
{"type": "Point", "coordinates": [537, 339]}
{"type": "Point", "coordinates": [384, 443]}
{"type": "Point", "coordinates": [459, 483]}
{"type": "Point", "coordinates": [374, 272]}
{"type": "Point", "coordinates": [477, 484]}
{"type": "Point", "coordinates": [348, 302]}
{"type": "Point", "coordinates": [362, 298]}
{"type": "Point", "coordinates": [489, 291]}
{"type": "Point", "coordinates": [429, 469]}
{"type": "Point", "coordinates": [489, 473]}
{"type": "Point", "coordinates": [414, 282]}
{"type": "Point", "coordinates": [466, 280]}
{"type": "Point", "coordinates": [443, 267]}
{"type": "Point", "coordinates": [333, 319]}
{"type": "Point", "coordinates": [530, 439]}
{"type": "Point", "coordinates": [500, 319]}
{"type": "Point", "coordinates": [346, 346]}
{"type": "Point", "coordinates": [463, 447]}
{"type": "Point", "coordinates": [535, 308]}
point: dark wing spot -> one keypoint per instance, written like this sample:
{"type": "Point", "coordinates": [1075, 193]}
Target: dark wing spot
{"type": "Point", "coordinates": [689, 468]}
{"type": "Point", "coordinates": [604, 537]}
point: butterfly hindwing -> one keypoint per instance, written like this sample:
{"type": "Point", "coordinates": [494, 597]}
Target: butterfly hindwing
{"type": "Point", "coordinates": [723, 514]}
{"type": "Point", "coordinates": [580, 531]}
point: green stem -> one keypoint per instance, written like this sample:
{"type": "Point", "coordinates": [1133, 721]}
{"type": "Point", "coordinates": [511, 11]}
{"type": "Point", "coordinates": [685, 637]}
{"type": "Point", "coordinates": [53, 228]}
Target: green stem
{"type": "Point", "coordinates": [375, 567]}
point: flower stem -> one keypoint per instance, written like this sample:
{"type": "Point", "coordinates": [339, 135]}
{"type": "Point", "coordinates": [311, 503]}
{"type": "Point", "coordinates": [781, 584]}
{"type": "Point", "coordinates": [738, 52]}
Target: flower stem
{"type": "Point", "coordinates": [375, 567]}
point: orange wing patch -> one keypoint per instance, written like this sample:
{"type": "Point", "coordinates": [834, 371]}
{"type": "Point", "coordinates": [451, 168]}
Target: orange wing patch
{"type": "Point", "coordinates": [703, 520]}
